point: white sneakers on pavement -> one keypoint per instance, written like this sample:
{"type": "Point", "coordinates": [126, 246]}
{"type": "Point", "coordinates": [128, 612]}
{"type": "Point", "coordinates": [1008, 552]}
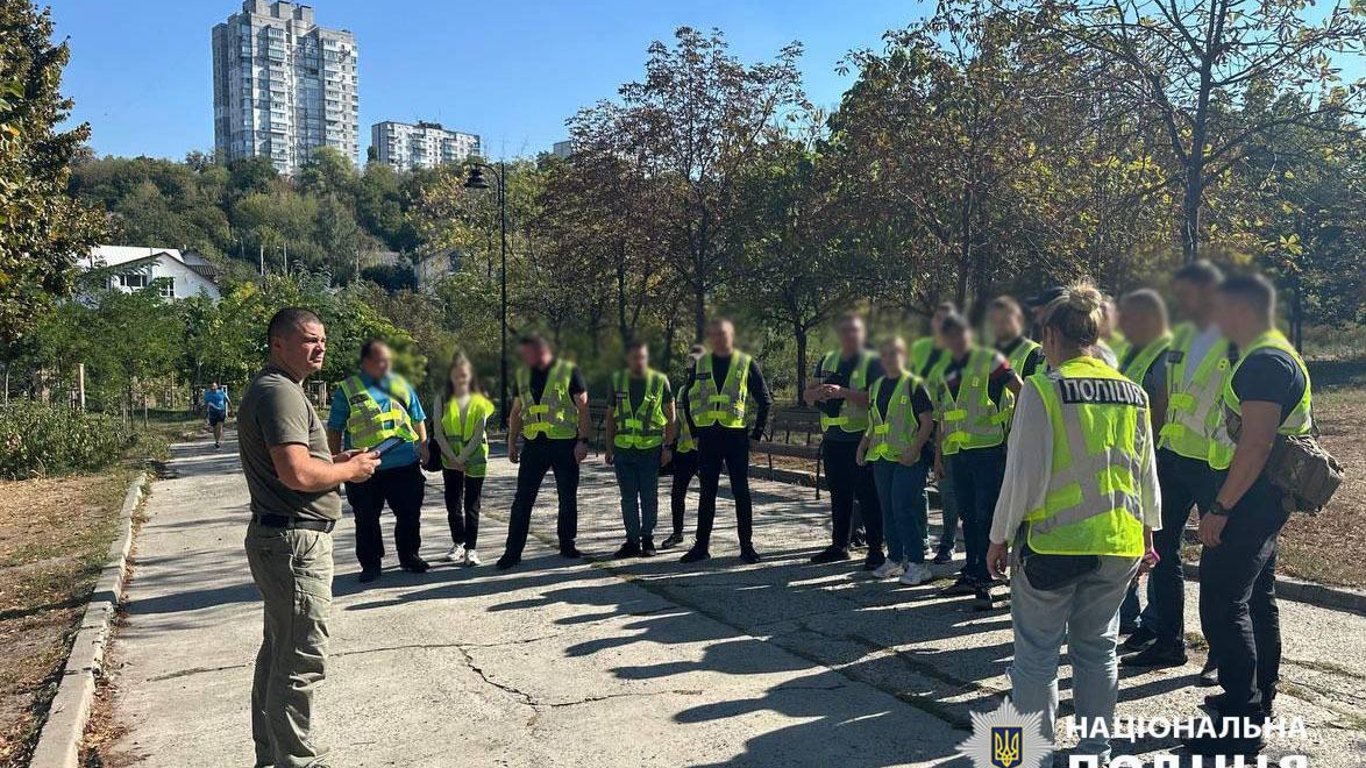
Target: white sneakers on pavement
{"type": "Point", "coordinates": [471, 558]}
{"type": "Point", "coordinates": [888, 570]}
{"type": "Point", "coordinates": [456, 554]}
{"type": "Point", "coordinates": [916, 574]}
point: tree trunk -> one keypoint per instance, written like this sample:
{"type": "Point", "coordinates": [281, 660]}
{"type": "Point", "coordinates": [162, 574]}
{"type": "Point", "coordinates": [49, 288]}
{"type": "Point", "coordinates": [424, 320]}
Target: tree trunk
{"type": "Point", "coordinates": [799, 333]}
{"type": "Point", "coordinates": [622, 326]}
{"type": "Point", "coordinates": [699, 312]}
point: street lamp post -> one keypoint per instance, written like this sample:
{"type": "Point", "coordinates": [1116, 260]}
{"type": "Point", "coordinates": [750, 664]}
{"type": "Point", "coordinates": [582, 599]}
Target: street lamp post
{"type": "Point", "coordinates": [476, 181]}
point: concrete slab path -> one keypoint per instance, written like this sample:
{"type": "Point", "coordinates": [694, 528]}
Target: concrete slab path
{"type": "Point", "coordinates": [602, 663]}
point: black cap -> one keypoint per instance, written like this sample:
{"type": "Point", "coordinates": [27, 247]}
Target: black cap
{"type": "Point", "coordinates": [1045, 297]}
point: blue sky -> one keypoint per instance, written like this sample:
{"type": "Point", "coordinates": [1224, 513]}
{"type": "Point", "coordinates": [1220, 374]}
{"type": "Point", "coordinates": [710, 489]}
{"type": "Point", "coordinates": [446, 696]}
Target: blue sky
{"type": "Point", "coordinates": [511, 71]}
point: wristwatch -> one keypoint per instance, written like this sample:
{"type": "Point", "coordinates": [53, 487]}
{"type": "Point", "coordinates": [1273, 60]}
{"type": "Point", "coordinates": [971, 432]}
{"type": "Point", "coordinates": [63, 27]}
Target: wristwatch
{"type": "Point", "coordinates": [1218, 509]}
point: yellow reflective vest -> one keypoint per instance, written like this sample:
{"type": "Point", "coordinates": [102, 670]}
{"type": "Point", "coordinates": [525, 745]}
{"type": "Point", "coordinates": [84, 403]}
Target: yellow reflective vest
{"type": "Point", "coordinates": [1300, 420]}
{"type": "Point", "coordinates": [970, 420]}
{"type": "Point", "coordinates": [724, 405]}
{"type": "Point", "coordinates": [641, 427]}
{"type": "Point", "coordinates": [368, 424]}
{"type": "Point", "coordinates": [852, 418]}
{"type": "Point", "coordinates": [459, 431]}
{"type": "Point", "coordinates": [554, 415]}
{"type": "Point", "coordinates": [892, 434]}
{"type": "Point", "coordinates": [1194, 426]}
{"type": "Point", "coordinates": [1094, 504]}
{"type": "Point", "coordinates": [1136, 370]}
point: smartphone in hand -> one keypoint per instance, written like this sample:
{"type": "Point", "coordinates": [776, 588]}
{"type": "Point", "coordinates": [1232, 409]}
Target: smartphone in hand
{"type": "Point", "coordinates": [388, 445]}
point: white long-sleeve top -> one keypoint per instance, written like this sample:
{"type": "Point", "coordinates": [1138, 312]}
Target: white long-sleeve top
{"type": "Point", "coordinates": [1029, 456]}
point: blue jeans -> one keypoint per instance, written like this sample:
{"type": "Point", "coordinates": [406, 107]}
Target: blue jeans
{"type": "Point", "coordinates": [1129, 609]}
{"type": "Point", "coordinates": [638, 477]}
{"type": "Point", "coordinates": [948, 502]}
{"type": "Point", "coordinates": [901, 493]}
{"type": "Point", "coordinates": [978, 474]}
{"type": "Point", "coordinates": [1085, 614]}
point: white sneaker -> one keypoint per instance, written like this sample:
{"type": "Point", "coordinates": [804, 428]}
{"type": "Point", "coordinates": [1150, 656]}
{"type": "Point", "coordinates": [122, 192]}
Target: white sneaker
{"type": "Point", "coordinates": [889, 568]}
{"type": "Point", "coordinates": [916, 574]}
{"type": "Point", "coordinates": [456, 553]}
{"type": "Point", "coordinates": [471, 558]}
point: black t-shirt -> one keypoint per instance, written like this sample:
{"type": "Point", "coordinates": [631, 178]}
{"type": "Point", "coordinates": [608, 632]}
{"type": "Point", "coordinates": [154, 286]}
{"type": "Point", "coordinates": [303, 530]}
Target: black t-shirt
{"type": "Point", "coordinates": [843, 373]}
{"type": "Point", "coordinates": [1033, 361]}
{"type": "Point", "coordinates": [920, 403]}
{"type": "Point", "coordinates": [1001, 374]}
{"type": "Point", "coordinates": [1272, 376]}
{"type": "Point", "coordinates": [539, 376]}
{"type": "Point", "coordinates": [930, 361]}
{"type": "Point", "coordinates": [636, 387]}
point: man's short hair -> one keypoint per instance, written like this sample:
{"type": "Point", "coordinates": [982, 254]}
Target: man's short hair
{"type": "Point", "coordinates": [370, 346]}
{"type": "Point", "coordinates": [848, 317]}
{"type": "Point", "coordinates": [720, 320]}
{"type": "Point", "coordinates": [946, 307]}
{"type": "Point", "coordinates": [289, 320]}
{"type": "Point", "coordinates": [1254, 291]}
{"type": "Point", "coordinates": [1008, 304]}
{"type": "Point", "coordinates": [532, 339]}
{"type": "Point", "coordinates": [1145, 300]}
{"type": "Point", "coordinates": [953, 322]}
{"type": "Point", "coordinates": [1201, 272]}
{"type": "Point", "coordinates": [635, 344]}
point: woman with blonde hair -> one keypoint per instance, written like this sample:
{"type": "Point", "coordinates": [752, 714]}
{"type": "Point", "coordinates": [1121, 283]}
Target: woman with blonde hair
{"type": "Point", "coordinates": [1078, 508]}
{"type": "Point", "coordinates": [464, 443]}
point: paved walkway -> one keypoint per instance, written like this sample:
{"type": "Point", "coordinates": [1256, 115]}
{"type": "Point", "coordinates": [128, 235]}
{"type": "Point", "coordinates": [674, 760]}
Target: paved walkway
{"type": "Point", "coordinates": [644, 663]}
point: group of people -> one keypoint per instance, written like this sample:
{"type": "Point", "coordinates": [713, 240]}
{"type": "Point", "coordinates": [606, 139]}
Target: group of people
{"type": "Point", "coordinates": [1071, 459]}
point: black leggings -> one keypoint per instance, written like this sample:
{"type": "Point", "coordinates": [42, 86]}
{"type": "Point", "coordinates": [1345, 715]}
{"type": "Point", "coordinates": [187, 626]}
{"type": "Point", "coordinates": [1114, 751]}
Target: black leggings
{"type": "Point", "coordinates": [685, 469]}
{"type": "Point", "coordinates": [464, 521]}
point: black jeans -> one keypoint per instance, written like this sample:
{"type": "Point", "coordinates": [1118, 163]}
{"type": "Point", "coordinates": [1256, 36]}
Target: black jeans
{"type": "Point", "coordinates": [1238, 611]}
{"type": "Point", "coordinates": [978, 474]}
{"type": "Point", "coordinates": [462, 506]}
{"type": "Point", "coordinates": [539, 457]}
{"type": "Point", "coordinates": [848, 481]}
{"type": "Point", "coordinates": [403, 489]}
{"type": "Point", "coordinates": [717, 446]}
{"type": "Point", "coordinates": [684, 469]}
{"type": "Point", "coordinates": [1185, 483]}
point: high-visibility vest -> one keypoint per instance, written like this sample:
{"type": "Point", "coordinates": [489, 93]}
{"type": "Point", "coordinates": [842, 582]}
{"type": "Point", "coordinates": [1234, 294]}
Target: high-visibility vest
{"type": "Point", "coordinates": [368, 424]}
{"type": "Point", "coordinates": [1099, 422]}
{"type": "Point", "coordinates": [852, 417]}
{"type": "Point", "coordinates": [1136, 370]}
{"type": "Point", "coordinates": [554, 415]}
{"type": "Point", "coordinates": [642, 427]}
{"type": "Point", "coordinates": [1118, 344]}
{"type": "Point", "coordinates": [1300, 420]}
{"type": "Point", "coordinates": [920, 354]}
{"type": "Point", "coordinates": [1194, 427]}
{"type": "Point", "coordinates": [459, 432]}
{"type": "Point", "coordinates": [725, 405]}
{"type": "Point", "coordinates": [892, 434]}
{"type": "Point", "coordinates": [970, 420]}
{"type": "Point", "coordinates": [1020, 355]}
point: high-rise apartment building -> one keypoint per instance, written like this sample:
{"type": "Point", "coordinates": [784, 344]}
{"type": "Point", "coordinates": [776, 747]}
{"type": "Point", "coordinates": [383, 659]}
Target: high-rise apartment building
{"type": "Point", "coordinates": [424, 145]}
{"type": "Point", "coordinates": [283, 86]}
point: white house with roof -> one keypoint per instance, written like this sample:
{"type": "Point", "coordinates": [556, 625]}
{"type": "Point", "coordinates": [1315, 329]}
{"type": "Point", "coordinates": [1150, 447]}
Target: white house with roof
{"type": "Point", "coordinates": [177, 274]}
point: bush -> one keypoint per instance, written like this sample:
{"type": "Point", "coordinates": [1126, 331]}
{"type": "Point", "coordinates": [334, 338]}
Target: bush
{"type": "Point", "coordinates": [37, 439]}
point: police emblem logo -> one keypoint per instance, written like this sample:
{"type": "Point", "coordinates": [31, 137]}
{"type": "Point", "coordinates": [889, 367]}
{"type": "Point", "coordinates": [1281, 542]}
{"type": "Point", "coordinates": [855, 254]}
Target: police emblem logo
{"type": "Point", "coordinates": [1006, 738]}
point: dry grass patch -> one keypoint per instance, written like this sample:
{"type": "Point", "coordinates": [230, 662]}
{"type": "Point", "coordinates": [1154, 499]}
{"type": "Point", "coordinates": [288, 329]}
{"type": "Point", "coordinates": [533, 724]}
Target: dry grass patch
{"type": "Point", "coordinates": [54, 535]}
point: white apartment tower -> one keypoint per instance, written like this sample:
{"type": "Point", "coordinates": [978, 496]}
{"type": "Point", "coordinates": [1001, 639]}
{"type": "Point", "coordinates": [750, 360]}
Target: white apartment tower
{"type": "Point", "coordinates": [283, 86]}
{"type": "Point", "coordinates": [424, 145]}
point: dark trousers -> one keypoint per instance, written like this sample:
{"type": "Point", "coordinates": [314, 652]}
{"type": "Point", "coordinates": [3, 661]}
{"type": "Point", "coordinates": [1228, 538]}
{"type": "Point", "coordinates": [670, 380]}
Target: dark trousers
{"type": "Point", "coordinates": [1238, 611]}
{"type": "Point", "coordinates": [718, 446]}
{"type": "Point", "coordinates": [978, 474]}
{"type": "Point", "coordinates": [462, 506]}
{"type": "Point", "coordinates": [539, 457]}
{"type": "Point", "coordinates": [403, 489]}
{"type": "Point", "coordinates": [684, 469]}
{"type": "Point", "coordinates": [1185, 483]}
{"type": "Point", "coordinates": [848, 481]}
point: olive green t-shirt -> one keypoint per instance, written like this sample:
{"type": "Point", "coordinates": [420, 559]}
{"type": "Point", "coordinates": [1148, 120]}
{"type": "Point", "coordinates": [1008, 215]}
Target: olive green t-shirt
{"type": "Point", "coordinates": [275, 411]}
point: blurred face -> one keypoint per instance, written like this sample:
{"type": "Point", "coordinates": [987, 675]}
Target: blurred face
{"type": "Point", "coordinates": [1139, 325]}
{"type": "Point", "coordinates": [1236, 319]}
{"type": "Point", "coordinates": [378, 363]}
{"type": "Point", "coordinates": [1108, 319]}
{"type": "Point", "coordinates": [460, 378]}
{"type": "Point", "coordinates": [1195, 301]}
{"type": "Point", "coordinates": [302, 350]}
{"type": "Point", "coordinates": [1006, 324]}
{"type": "Point", "coordinates": [536, 355]}
{"type": "Point", "coordinates": [894, 356]}
{"type": "Point", "coordinates": [638, 360]}
{"type": "Point", "coordinates": [936, 323]}
{"type": "Point", "coordinates": [213, 387]}
{"type": "Point", "coordinates": [958, 340]}
{"type": "Point", "coordinates": [721, 336]}
{"type": "Point", "coordinates": [852, 335]}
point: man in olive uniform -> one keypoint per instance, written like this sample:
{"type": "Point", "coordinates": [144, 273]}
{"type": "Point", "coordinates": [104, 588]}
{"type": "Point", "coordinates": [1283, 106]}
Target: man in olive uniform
{"type": "Point", "coordinates": [716, 404]}
{"type": "Point", "coordinates": [548, 430]}
{"type": "Point", "coordinates": [839, 388]}
{"type": "Point", "coordinates": [368, 408]}
{"type": "Point", "coordinates": [292, 476]}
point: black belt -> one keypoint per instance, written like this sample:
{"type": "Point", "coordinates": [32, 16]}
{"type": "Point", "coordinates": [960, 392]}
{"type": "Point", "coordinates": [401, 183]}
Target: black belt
{"type": "Point", "coordinates": [289, 522]}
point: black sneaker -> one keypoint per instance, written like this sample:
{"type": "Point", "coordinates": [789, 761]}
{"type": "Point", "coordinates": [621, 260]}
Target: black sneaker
{"type": "Point", "coordinates": [647, 547]}
{"type": "Point", "coordinates": [1140, 639]}
{"type": "Point", "coordinates": [748, 555]}
{"type": "Point", "coordinates": [1215, 702]}
{"type": "Point", "coordinates": [1156, 657]}
{"type": "Point", "coordinates": [572, 552]}
{"type": "Point", "coordinates": [415, 565]}
{"type": "Point", "coordinates": [963, 586]}
{"type": "Point", "coordinates": [1209, 674]}
{"type": "Point", "coordinates": [674, 540]}
{"type": "Point", "coordinates": [507, 561]}
{"type": "Point", "coordinates": [943, 557]}
{"type": "Point", "coordinates": [1125, 630]}
{"type": "Point", "coordinates": [982, 599]}
{"type": "Point", "coordinates": [695, 555]}
{"type": "Point", "coordinates": [629, 549]}
{"type": "Point", "coordinates": [874, 560]}
{"type": "Point", "coordinates": [830, 555]}
{"type": "Point", "coordinates": [368, 575]}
